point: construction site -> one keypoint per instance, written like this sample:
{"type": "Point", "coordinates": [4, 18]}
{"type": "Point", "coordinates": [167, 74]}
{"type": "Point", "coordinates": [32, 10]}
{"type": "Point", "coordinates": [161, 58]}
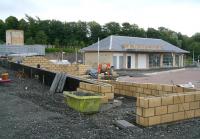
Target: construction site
{"type": "Point", "coordinates": [54, 98]}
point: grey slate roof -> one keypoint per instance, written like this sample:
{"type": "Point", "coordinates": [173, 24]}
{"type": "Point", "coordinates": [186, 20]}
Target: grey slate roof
{"type": "Point", "coordinates": [116, 43]}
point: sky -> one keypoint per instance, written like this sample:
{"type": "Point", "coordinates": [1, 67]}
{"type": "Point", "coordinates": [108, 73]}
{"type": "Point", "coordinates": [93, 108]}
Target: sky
{"type": "Point", "coordinates": [178, 15]}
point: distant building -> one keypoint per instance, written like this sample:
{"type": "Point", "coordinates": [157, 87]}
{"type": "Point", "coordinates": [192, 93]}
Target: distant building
{"type": "Point", "coordinates": [125, 52]}
{"type": "Point", "coordinates": [14, 37]}
{"type": "Point", "coordinates": [15, 45]}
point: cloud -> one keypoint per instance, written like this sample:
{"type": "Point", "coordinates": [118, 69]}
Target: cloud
{"type": "Point", "coordinates": [16, 8]}
{"type": "Point", "coordinates": [178, 15]}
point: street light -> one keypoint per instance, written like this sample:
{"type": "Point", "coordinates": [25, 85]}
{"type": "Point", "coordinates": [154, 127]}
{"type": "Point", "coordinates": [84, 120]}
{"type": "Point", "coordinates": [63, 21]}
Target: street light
{"type": "Point", "coordinates": [62, 56]}
{"type": "Point", "coordinates": [198, 58]}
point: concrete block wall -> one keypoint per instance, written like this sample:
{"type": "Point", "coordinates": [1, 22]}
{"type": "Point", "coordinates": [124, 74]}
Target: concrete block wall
{"type": "Point", "coordinates": [33, 61]}
{"type": "Point", "coordinates": [167, 108]}
{"type": "Point", "coordinates": [74, 69]}
{"type": "Point", "coordinates": [144, 90]}
{"type": "Point", "coordinates": [82, 69]}
{"type": "Point", "coordinates": [106, 89]}
{"type": "Point", "coordinates": [158, 104]}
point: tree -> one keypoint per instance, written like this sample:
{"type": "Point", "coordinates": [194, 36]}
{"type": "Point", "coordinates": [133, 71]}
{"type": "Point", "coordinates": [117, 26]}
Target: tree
{"type": "Point", "coordinates": [11, 22]}
{"type": "Point", "coordinates": [170, 36]}
{"type": "Point", "coordinates": [56, 30]}
{"type": "Point", "coordinates": [30, 41]}
{"type": "Point", "coordinates": [82, 31]}
{"type": "Point", "coordinates": [153, 33]}
{"type": "Point", "coordinates": [112, 28]}
{"type": "Point", "coordinates": [23, 25]}
{"type": "Point", "coordinates": [75, 32]}
{"type": "Point", "coordinates": [80, 34]}
{"type": "Point", "coordinates": [95, 31]}
{"type": "Point", "coordinates": [132, 30]}
{"type": "Point", "coordinates": [126, 29]}
{"type": "Point", "coordinates": [41, 37]}
{"type": "Point", "coordinates": [32, 27]}
{"type": "Point", "coordinates": [56, 43]}
{"type": "Point", "coordinates": [44, 26]}
{"type": "Point", "coordinates": [2, 31]}
{"type": "Point", "coordinates": [195, 46]}
{"type": "Point", "coordinates": [141, 33]}
{"type": "Point", "coordinates": [196, 37]}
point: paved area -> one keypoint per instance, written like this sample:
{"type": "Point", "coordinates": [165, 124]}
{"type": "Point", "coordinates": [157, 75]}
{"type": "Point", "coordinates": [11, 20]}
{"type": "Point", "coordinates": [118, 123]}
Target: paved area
{"type": "Point", "coordinates": [179, 76]}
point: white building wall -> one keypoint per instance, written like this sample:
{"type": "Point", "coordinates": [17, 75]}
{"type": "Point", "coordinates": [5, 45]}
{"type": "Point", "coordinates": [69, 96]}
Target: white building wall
{"type": "Point", "coordinates": [142, 61]}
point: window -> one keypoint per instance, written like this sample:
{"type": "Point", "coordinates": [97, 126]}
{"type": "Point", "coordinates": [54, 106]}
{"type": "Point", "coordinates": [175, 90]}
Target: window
{"type": "Point", "coordinates": [154, 60]}
{"type": "Point", "coordinates": [177, 60]}
{"type": "Point", "coordinates": [117, 61]}
{"type": "Point", "coordinates": [167, 60]}
{"type": "Point", "coordinates": [120, 62]}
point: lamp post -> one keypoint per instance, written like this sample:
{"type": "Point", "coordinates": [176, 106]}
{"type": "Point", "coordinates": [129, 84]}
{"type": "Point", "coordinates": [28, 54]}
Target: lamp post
{"type": "Point", "coordinates": [193, 56]}
{"type": "Point", "coordinates": [198, 58]}
{"type": "Point", "coordinates": [98, 60]}
{"type": "Point", "coordinates": [62, 55]}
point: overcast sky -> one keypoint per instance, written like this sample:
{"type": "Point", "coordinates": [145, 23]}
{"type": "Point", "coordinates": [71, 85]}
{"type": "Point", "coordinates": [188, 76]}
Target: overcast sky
{"type": "Point", "coordinates": [178, 15]}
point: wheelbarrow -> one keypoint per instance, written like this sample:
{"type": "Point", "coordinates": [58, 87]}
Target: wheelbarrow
{"type": "Point", "coordinates": [5, 81]}
{"type": "Point", "coordinates": [4, 78]}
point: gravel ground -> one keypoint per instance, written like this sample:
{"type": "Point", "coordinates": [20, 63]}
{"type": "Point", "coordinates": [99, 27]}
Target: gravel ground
{"type": "Point", "coordinates": [27, 111]}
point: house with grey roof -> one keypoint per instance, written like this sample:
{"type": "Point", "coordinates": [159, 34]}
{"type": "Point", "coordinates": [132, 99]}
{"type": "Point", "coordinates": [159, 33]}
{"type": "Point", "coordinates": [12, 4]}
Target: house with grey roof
{"type": "Point", "coordinates": [124, 52]}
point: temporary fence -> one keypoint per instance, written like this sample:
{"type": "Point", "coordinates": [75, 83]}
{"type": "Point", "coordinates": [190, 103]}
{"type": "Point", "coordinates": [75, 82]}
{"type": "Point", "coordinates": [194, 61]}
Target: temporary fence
{"type": "Point", "coordinates": [25, 50]}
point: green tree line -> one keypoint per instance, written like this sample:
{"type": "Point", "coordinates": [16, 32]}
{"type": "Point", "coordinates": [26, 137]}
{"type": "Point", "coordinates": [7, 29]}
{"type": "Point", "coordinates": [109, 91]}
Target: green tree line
{"type": "Point", "coordinates": [81, 34]}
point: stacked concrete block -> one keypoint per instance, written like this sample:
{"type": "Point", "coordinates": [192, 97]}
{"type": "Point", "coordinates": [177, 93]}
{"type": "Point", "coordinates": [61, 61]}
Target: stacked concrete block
{"type": "Point", "coordinates": [158, 104]}
{"type": "Point", "coordinates": [167, 108]}
{"type": "Point", "coordinates": [144, 90]}
{"type": "Point", "coordinates": [33, 61]}
{"type": "Point", "coordinates": [104, 89]}
{"type": "Point", "coordinates": [74, 69]}
{"type": "Point", "coordinates": [82, 69]}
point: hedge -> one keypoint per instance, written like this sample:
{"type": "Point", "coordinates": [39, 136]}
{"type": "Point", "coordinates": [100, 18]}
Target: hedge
{"type": "Point", "coordinates": [52, 50]}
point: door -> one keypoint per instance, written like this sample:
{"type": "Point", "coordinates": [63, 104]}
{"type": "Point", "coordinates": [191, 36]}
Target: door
{"type": "Point", "coordinates": [128, 62]}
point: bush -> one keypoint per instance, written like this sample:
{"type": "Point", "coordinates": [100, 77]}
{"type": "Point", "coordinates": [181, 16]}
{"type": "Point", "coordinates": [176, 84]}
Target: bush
{"type": "Point", "coordinates": [52, 50]}
{"type": "Point", "coordinates": [188, 62]}
{"type": "Point", "coordinates": [1, 42]}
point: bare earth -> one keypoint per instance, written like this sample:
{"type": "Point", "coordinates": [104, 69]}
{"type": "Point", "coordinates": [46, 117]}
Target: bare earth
{"type": "Point", "coordinates": [27, 111]}
{"type": "Point", "coordinates": [180, 76]}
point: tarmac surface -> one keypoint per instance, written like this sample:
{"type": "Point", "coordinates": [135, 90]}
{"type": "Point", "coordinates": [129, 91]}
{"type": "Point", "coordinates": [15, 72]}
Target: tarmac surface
{"type": "Point", "coordinates": [178, 76]}
{"type": "Point", "coordinates": [28, 111]}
